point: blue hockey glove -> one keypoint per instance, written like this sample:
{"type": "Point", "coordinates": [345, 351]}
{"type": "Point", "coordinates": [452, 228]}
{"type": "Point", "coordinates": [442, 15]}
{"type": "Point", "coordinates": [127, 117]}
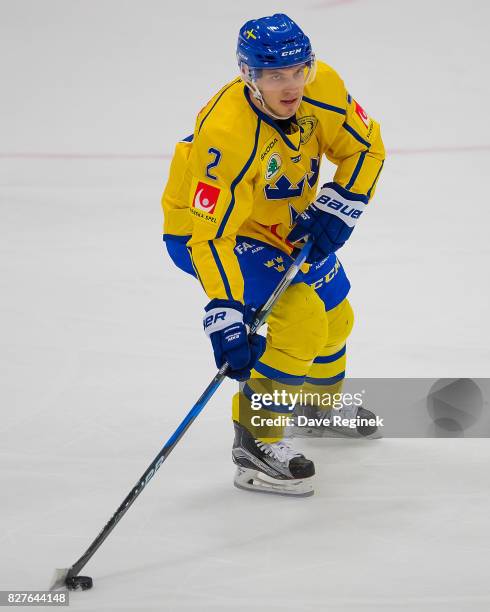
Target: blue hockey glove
{"type": "Point", "coordinates": [329, 220]}
{"type": "Point", "coordinates": [225, 326]}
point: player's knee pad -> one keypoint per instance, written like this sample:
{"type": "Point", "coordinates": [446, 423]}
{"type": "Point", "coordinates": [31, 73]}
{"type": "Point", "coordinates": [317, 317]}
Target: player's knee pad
{"type": "Point", "coordinates": [328, 368]}
{"type": "Point", "coordinates": [298, 325]}
{"type": "Point", "coordinates": [340, 324]}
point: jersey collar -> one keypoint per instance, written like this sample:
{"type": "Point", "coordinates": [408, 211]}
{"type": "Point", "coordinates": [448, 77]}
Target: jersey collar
{"type": "Point", "coordinates": [289, 140]}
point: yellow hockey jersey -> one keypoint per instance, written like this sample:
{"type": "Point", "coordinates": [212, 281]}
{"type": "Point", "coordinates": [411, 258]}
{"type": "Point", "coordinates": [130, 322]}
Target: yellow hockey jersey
{"type": "Point", "coordinates": [240, 174]}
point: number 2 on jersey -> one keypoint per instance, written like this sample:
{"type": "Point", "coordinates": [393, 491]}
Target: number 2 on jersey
{"type": "Point", "coordinates": [213, 163]}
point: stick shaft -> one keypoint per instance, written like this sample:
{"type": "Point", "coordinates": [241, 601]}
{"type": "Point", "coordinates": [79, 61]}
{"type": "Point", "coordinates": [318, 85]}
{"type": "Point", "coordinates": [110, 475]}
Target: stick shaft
{"type": "Point", "coordinates": [260, 318]}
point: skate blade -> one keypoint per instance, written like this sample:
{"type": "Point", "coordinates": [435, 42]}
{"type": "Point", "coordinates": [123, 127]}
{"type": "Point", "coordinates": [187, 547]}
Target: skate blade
{"type": "Point", "coordinates": [252, 480]}
{"type": "Point", "coordinates": [59, 579]}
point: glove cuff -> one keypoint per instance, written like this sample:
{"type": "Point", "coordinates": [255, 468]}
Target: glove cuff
{"type": "Point", "coordinates": [337, 201]}
{"type": "Point", "coordinates": [345, 193]}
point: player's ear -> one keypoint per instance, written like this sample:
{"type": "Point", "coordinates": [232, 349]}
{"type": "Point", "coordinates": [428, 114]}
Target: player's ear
{"type": "Point", "coordinates": [244, 72]}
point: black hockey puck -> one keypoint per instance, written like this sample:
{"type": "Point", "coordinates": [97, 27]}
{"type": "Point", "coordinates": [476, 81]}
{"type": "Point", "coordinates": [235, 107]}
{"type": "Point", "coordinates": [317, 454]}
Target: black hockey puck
{"type": "Point", "coordinates": [79, 583]}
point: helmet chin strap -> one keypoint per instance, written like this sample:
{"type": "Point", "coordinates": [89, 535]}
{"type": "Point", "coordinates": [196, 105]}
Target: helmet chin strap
{"type": "Point", "coordinates": [257, 94]}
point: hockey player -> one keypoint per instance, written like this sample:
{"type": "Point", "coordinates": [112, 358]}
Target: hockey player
{"type": "Point", "coordinates": [241, 194]}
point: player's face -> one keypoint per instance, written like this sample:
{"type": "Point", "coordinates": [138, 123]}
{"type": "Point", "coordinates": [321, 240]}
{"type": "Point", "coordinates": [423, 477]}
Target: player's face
{"type": "Point", "coordinates": [282, 89]}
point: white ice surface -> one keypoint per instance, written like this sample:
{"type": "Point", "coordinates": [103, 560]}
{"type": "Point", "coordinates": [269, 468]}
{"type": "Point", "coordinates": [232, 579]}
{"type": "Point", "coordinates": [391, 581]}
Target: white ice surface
{"type": "Point", "coordinates": [102, 349]}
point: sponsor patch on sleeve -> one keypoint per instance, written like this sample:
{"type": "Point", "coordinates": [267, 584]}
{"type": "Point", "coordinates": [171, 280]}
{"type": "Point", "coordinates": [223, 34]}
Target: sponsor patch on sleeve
{"type": "Point", "coordinates": [204, 201]}
{"type": "Point", "coordinates": [361, 113]}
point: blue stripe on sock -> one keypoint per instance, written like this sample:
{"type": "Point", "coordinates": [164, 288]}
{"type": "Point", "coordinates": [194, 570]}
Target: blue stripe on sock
{"type": "Point", "coordinates": [268, 372]}
{"type": "Point", "coordinates": [325, 381]}
{"type": "Point", "coordinates": [330, 358]}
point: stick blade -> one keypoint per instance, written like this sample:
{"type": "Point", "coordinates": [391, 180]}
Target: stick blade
{"type": "Point", "coordinates": [59, 579]}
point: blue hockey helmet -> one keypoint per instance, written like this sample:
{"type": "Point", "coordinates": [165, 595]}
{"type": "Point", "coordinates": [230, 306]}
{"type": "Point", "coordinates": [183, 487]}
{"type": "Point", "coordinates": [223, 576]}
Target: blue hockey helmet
{"type": "Point", "coordinates": [269, 44]}
{"type": "Point", "coordinates": [273, 42]}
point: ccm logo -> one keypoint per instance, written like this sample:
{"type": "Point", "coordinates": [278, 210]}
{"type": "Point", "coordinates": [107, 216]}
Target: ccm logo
{"type": "Point", "coordinates": [150, 474]}
{"type": "Point", "coordinates": [293, 52]}
{"type": "Point", "coordinates": [345, 209]}
{"type": "Point", "coordinates": [219, 316]}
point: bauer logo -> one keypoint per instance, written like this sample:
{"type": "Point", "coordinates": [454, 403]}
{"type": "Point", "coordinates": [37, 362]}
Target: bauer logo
{"type": "Point", "coordinates": [341, 207]}
{"type": "Point", "coordinates": [206, 197]}
{"type": "Point", "coordinates": [345, 209]}
{"type": "Point", "coordinates": [214, 318]}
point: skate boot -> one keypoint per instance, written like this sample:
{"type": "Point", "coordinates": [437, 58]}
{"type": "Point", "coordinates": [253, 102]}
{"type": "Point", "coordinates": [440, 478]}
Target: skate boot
{"type": "Point", "coordinates": [270, 468]}
{"type": "Point", "coordinates": [312, 422]}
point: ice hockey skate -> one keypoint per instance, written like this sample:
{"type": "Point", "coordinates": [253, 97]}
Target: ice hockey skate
{"type": "Point", "coordinates": [270, 468]}
{"type": "Point", "coordinates": [313, 422]}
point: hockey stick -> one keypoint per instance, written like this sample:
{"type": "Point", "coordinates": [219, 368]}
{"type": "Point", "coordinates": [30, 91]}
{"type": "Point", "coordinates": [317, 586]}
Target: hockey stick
{"type": "Point", "coordinates": [68, 577]}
